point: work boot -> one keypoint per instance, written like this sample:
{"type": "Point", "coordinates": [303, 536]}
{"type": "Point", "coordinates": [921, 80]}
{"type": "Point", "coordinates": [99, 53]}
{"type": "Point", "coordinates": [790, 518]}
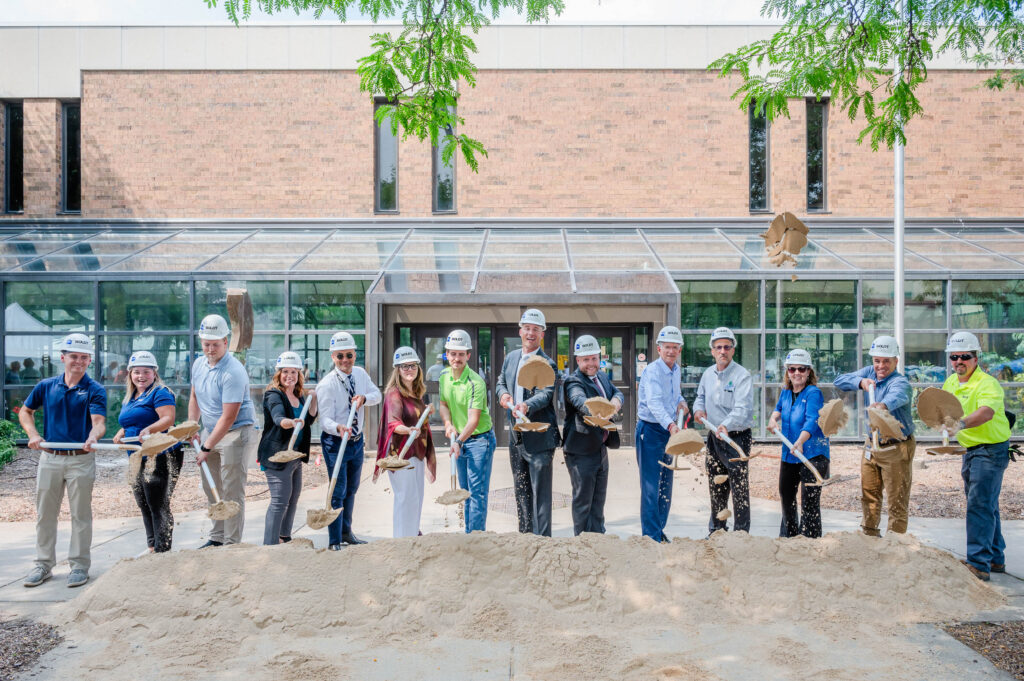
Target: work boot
{"type": "Point", "coordinates": [78, 577]}
{"type": "Point", "coordinates": [37, 576]}
{"type": "Point", "coordinates": [998, 567]}
{"type": "Point", "coordinates": [980, 574]}
{"type": "Point", "coordinates": [351, 539]}
{"type": "Point", "coordinates": [212, 543]}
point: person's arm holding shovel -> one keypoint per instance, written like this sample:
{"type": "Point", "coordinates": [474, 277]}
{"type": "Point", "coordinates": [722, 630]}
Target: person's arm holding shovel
{"type": "Point", "coordinates": [165, 421]}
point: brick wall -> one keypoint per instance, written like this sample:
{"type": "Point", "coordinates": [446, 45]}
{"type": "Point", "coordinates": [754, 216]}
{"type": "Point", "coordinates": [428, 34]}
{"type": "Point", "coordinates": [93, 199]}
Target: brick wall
{"type": "Point", "coordinates": [561, 143]}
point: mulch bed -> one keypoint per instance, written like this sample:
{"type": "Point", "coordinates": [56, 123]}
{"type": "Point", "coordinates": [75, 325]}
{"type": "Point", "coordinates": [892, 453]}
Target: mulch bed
{"type": "Point", "coordinates": [22, 642]}
{"type": "Point", "coordinates": [1002, 643]}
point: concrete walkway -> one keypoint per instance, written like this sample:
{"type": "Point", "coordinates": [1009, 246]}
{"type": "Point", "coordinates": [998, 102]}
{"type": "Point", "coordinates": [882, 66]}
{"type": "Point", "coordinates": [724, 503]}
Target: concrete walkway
{"type": "Point", "coordinates": [120, 538]}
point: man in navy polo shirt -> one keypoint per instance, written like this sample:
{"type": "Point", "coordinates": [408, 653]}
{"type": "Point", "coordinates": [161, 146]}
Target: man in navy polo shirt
{"type": "Point", "coordinates": [74, 410]}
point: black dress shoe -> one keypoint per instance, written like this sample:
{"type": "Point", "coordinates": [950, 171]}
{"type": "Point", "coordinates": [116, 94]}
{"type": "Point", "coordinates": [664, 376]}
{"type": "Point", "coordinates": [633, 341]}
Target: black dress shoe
{"type": "Point", "coordinates": [664, 539]}
{"type": "Point", "coordinates": [335, 547]}
{"type": "Point", "coordinates": [284, 540]}
{"type": "Point", "coordinates": [212, 543]}
{"type": "Point", "coordinates": [351, 539]}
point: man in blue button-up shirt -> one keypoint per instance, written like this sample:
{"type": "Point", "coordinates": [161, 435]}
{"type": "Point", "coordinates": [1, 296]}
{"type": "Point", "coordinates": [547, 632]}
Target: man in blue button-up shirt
{"type": "Point", "coordinates": [659, 400]}
{"type": "Point", "coordinates": [889, 468]}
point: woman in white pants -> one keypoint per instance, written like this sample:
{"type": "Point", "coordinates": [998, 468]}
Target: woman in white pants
{"type": "Point", "coordinates": [401, 410]}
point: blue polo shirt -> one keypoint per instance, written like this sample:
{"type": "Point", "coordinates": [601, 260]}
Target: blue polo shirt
{"type": "Point", "coordinates": [225, 383]}
{"type": "Point", "coordinates": [66, 411]}
{"type": "Point", "coordinates": [800, 414]}
{"type": "Point", "coordinates": [140, 412]}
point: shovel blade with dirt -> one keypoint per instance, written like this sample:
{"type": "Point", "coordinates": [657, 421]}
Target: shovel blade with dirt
{"type": "Point", "coordinates": [455, 495]}
{"type": "Point", "coordinates": [942, 410]}
{"type": "Point", "coordinates": [290, 454]}
{"type": "Point", "coordinates": [319, 518]}
{"type": "Point", "coordinates": [219, 509]}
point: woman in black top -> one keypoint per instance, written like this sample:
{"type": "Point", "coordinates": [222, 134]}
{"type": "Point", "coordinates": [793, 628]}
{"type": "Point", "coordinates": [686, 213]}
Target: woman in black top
{"type": "Point", "coordinates": [282, 405]}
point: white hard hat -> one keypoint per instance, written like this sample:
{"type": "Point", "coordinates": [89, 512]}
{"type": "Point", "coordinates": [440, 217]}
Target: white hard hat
{"type": "Point", "coordinates": [720, 333]}
{"type": "Point", "coordinates": [289, 360]}
{"type": "Point", "coordinates": [342, 340]}
{"type": "Point", "coordinates": [142, 358]}
{"type": "Point", "coordinates": [533, 316]}
{"type": "Point", "coordinates": [77, 342]}
{"type": "Point", "coordinates": [586, 345]}
{"type": "Point", "coordinates": [963, 341]}
{"type": "Point", "coordinates": [670, 334]}
{"type": "Point", "coordinates": [214, 327]}
{"type": "Point", "coordinates": [884, 346]}
{"type": "Point", "coordinates": [405, 355]}
{"type": "Point", "coordinates": [799, 356]}
{"type": "Point", "coordinates": [458, 340]}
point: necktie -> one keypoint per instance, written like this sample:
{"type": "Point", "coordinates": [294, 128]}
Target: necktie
{"type": "Point", "coordinates": [600, 389]}
{"type": "Point", "coordinates": [351, 385]}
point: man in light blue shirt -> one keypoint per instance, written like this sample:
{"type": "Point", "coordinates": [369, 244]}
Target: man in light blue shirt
{"type": "Point", "coordinates": [891, 467]}
{"type": "Point", "coordinates": [659, 400]}
{"type": "Point", "coordinates": [725, 397]}
{"type": "Point", "coordinates": [220, 397]}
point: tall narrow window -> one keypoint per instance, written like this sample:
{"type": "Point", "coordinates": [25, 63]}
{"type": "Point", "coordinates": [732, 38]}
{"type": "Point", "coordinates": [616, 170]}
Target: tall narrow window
{"type": "Point", "coordinates": [72, 158]}
{"type": "Point", "coordinates": [14, 178]}
{"type": "Point", "coordinates": [385, 142]}
{"type": "Point", "coordinates": [444, 175]}
{"type": "Point", "coordinates": [758, 160]}
{"type": "Point", "coordinates": [817, 121]}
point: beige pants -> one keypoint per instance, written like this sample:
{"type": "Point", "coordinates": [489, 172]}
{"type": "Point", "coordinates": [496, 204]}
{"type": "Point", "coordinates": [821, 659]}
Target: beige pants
{"type": "Point", "coordinates": [227, 463]}
{"type": "Point", "coordinates": [891, 471]}
{"type": "Point", "coordinates": [53, 475]}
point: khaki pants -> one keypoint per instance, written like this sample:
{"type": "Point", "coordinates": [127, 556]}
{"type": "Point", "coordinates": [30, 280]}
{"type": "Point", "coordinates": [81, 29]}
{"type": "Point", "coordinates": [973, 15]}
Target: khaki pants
{"type": "Point", "coordinates": [892, 472]}
{"type": "Point", "coordinates": [53, 475]}
{"type": "Point", "coordinates": [227, 463]}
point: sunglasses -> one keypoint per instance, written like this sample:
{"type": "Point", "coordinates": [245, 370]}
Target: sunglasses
{"type": "Point", "coordinates": [964, 357]}
{"type": "Point", "coordinates": [797, 370]}
{"type": "Point", "coordinates": [722, 347]}
{"type": "Point", "coordinates": [344, 355]}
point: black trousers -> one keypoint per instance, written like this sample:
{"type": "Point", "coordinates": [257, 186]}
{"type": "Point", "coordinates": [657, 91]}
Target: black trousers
{"type": "Point", "coordinates": [807, 523]}
{"type": "Point", "coordinates": [532, 488]}
{"type": "Point", "coordinates": [589, 476]}
{"type": "Point", "coordinates": [153, 495]}
{"type": "Point", "coordinates": [738, 484]}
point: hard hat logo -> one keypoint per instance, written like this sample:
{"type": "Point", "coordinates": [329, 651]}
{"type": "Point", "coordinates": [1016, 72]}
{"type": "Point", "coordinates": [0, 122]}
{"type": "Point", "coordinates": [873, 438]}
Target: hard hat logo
{"type": "Point", "coordinates": [670, 334]}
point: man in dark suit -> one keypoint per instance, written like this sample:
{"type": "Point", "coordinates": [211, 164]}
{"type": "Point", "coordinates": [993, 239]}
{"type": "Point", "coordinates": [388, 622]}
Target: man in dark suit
{"type": "Point", "coordinates": [586, 447]}
{"type": "Point", "coordinates": [530, 453]}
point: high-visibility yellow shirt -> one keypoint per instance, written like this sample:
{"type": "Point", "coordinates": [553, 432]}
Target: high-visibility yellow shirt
{"type": "Point", "coordinates": [981, 390]}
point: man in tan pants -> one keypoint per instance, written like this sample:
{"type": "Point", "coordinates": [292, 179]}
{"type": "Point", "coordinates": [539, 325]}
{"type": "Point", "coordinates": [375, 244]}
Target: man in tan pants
{"type": "Point", "coordinates": [220, 396]}
{"type": "Point", "coordinates": [74, 413]}
{"type": "Point", "coordinates": [891, 469]}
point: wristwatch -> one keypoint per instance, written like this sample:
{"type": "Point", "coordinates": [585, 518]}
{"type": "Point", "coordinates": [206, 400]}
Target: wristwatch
{"type": "Point", "coordinates": [961, 424]}
{"type": "Point", "coordinates": [205, 448]}
{"type": "Point", "coordinates": [458, 442]}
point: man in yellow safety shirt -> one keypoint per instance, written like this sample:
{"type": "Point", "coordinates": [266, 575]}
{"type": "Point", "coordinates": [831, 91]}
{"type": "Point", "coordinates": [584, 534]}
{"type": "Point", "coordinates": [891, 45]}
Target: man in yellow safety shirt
{"type": "Point", "coordinates": [985, 432]}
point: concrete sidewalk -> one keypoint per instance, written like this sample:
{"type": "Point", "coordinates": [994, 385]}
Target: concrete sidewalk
{"type": "Point", "coordinates": [115, 539]}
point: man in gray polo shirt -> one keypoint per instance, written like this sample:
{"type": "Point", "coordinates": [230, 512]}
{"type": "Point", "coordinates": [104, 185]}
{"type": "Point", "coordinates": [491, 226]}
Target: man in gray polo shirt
{"type": "Point", "coordinates": [220, 396]}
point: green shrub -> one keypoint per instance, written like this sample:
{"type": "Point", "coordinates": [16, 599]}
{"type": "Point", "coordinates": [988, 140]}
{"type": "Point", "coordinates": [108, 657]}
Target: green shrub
{"type": "Point", "coordinates": [8, 433]}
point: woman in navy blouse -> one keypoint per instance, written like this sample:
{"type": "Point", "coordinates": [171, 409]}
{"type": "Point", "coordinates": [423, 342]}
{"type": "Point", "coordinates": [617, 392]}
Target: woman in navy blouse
{"type": "Point", "coordinates": [148, 407]}
{"type": "Point", "coordinates": [797, 414]}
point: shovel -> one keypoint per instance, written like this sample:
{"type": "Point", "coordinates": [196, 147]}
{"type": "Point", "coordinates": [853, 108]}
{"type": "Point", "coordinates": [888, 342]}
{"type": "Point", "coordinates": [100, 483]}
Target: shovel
{"type": "Point", "coordinates": [96, 447]}
{"type": "Point", "coordinates": [454, 495]}
{"type": "Point", "coordinates": [732, 443]}
{"type": "Point", "coordinates": [219, 510]}
{"type": "Point", "coordinates": [938, 409]}
{"type": "Point", "coordinates": [875, 446]}
{"type": "Point", "coordinates": [319, 518]}
{"type": "Point", "coordinates": [152, 444]}
{"type": "Point", "coordinates": [680, 443]}
{"type": "Point", "coordinates": [290, 454]}
{"type": "Point", "coordinates": [397, 462]}
{"type": "Point", "coordinates": [819, 481]}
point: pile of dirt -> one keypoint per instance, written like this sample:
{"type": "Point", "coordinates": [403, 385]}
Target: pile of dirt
{"type": "Point", "coordinates": [571, 608]}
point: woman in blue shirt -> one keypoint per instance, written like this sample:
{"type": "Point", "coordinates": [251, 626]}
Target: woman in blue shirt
{"type": "Point", "coordinates": [797, 414]}
{"type": "Point", "coordinates": [148, 407]}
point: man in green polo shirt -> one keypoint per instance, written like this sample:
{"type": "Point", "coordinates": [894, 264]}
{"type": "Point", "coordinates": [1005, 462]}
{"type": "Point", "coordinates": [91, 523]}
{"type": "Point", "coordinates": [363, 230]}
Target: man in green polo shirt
{"type": "Point", "coordinates": [468, 425]}
{"type": "Point", "coordinates": [985, 432]}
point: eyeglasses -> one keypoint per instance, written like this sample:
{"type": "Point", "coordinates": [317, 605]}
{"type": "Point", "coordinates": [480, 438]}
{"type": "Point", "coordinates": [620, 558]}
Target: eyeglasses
{"type": "Point", "coordinates": [966, 356]}
{"type": "Point", "coordinates": [344, 355]}
{"type": "Point", "coordinates": [797, 370]}
{"type": "Point", "coordinates": [408, 367]}
{"type": "Point", "coordinates": [722, 347]}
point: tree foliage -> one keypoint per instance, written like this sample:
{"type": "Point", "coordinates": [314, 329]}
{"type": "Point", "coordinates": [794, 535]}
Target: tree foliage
{"type": "Point", "coordinates": [417, 71]}
{"type": "Point", "coordinates": [869, 58]}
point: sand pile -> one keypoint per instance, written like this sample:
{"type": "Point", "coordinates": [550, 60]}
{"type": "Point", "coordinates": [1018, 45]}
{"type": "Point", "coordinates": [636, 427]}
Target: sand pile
{"type": "Point", "coordinates": [568, 607]}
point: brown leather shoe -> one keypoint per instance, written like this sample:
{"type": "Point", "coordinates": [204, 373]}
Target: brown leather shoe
{"type": "Point", "coordinates": [980, 574]}
{"type": "Point", "coordinates": [997, 567]}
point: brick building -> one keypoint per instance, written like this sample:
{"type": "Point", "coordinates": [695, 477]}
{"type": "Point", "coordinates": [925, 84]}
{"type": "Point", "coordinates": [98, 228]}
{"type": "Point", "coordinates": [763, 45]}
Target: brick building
{"type": "Point", "coordinates": [623, 188]}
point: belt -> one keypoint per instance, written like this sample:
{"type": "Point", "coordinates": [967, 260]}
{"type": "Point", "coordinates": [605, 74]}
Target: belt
{"type": "Point", "coordinates": [66, 452]}
{"type": "Point", "coordinates": [983, 445]}
{"type": "Point", "coordinates": [473, 437]}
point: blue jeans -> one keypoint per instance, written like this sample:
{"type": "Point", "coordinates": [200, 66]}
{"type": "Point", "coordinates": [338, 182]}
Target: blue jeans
{"type": "Point", "coordinates": [344, 495]}
{"type": "Point", "coordinates": [655, 479]}
{"type": "Point", "coordinates": [982, 472]}
{"type": "Point", "coordinates": [474, 469]}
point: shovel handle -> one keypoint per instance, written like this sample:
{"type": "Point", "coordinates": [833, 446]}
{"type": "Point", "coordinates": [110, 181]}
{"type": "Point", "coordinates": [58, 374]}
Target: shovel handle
{"type": "Point", "coordinates": [871, 400]}
{"type": "Point", "coordinates": [419, 424]}
{"type": "Point", "coordinates": [680, 420]}
{"type": "Point", "coordinates": [209, 479]}
{"type": "Point", "coordinates": [99, 446]}
{"type": "Point", "coordinates": [800, 455]}
{"type": "Point", "coordinates": [341, 453]}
